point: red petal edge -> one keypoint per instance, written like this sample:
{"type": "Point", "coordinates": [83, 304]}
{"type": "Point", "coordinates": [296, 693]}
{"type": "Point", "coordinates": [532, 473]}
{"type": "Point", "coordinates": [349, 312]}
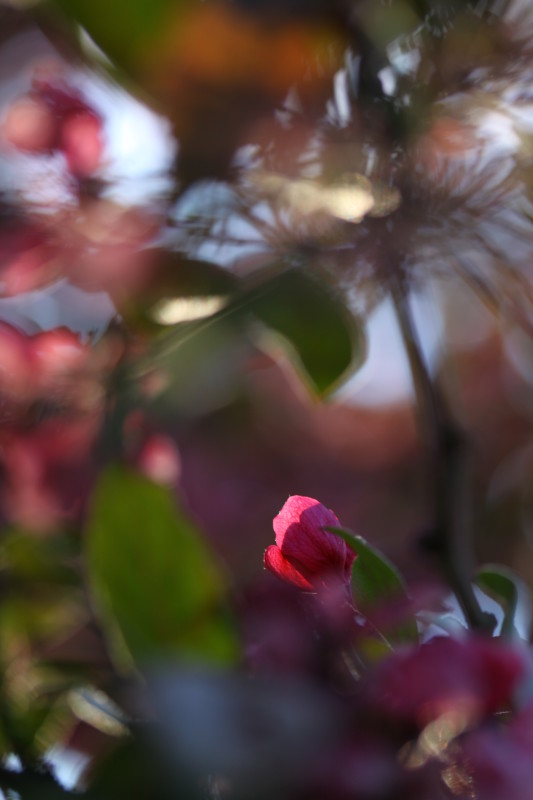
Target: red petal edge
{"type": "Point", "coordinates": [276, 563]}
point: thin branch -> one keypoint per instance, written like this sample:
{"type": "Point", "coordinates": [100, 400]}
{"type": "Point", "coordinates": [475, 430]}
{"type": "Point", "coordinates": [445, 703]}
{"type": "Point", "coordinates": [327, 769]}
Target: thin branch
{"type": "Point", "coordinates": [450, 468]}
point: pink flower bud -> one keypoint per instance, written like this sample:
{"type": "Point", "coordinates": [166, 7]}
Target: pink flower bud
{"type": "Point", "coordinates": [30, 126]}
{"type": "Point", "coordinates": [305, 554]}
{"type": "Point", "coordinates": [57, 355]}
{"type": "Point", "coordinates": [27, 259]}
{"type": "Point", "coordinates": [16, 374]}
{"type": "Point", "coordinates": [159, 460]}
{"type": "Point", "coordinates": [82, 143]}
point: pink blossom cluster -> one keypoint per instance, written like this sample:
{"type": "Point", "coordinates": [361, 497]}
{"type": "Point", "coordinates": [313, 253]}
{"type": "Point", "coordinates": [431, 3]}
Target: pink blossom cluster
{"type": "Point", "coordinates": [96, 243]}
{"type": "Point", "coordinates": [53, 385]}
{"type": "Point", "coordinates": [53, 117]}
{"type": "Point", "coordinates": [52, 388]}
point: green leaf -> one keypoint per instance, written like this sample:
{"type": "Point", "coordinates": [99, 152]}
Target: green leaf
{"type": "Point", "coordinates": [189, 277]}
{"type": "Point", "coordinates": [316, 327]}
{"type": "Point", "coordinates": [152, 575]}
{"type": "Point", "coordinates": [377, 585]}
{"type": "Point", "coordinates": [501, 584]}
{"type": "Point", "coordinates": [202, 362]}
{"type": "Point", "coordinates": [199, 366]}
{"type": "Point", "coordinates": [181, 280]}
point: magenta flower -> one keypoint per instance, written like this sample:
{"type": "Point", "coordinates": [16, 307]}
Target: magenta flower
{"type": "Point", "coordinates": [305, 554]}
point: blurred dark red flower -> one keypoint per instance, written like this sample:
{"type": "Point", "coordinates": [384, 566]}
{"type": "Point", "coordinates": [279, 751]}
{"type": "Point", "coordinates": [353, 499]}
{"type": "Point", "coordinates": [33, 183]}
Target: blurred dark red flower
{"type": "Point", "coordinates": [305, 554]}
{"type": "Point", "coordinates": [475, 677]}
{"type": "Point", "coordinates": [496, 765]}
{"type": "Point", "coordinates": [363, 767]}
{"type": "Point", "coordinates": [497, 758]}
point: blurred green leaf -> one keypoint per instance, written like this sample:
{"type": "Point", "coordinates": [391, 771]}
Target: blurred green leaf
{"type": "Point", "coordinates": [31, 729]}
{"type": "Point", "coordinates": [377, 586]}
{"type": "Point", "coordinates": [198, 366]}
{"type": "Point", "coordinates": [42, 601]}
{"type": "Point", "coordinates": [179, 280]}
{"type": "Point", "coordinates": [42, 586]}
{"type": "Point", "coordinates": [321, 334]}
{"type": "Point", "coordinates": [124, 29]}
{"type": "Point", "coordinates": [501, 584]}
{"type": "Point", "coordinates": [152, 575]}
{"type": "Point", "coordinates": [201, 362]}
{"type": "Point", "coordinates": [188, 277]}
{"type": "Point", "coordinates": [26, 558]}
{"type": "Point", "coordinates": [382, 29]}
{"type": "Point", "coordinates": [133, 769]}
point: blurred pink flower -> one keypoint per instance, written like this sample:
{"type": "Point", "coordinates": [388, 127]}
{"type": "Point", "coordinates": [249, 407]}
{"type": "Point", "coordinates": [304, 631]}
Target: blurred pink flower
{"type": "Point", "coordinates": [56, 116]}
{"type": "Point", "coordinates": [159, 460]}
{"type": "Point", "coordinates": [82, 143]}
{"type": "Point", "coordinates": [30, 126]}
{"type": "Point", "coordinates": [57, 356]}
{"type": "Point", "coordinates": [305, 554]}
{"type": "Point", "coordinates": [47, 471]}
{"type": "Point", "coordinates": [27, 258]}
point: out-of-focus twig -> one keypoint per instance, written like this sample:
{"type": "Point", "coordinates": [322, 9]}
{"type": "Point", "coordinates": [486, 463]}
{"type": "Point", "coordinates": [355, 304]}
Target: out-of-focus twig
{"type": "Point", "coordinates": [449, 453]}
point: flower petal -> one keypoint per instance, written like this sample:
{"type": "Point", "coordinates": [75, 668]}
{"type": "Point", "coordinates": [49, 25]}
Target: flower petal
{"type": "Point", "coordinates": [276, 563]}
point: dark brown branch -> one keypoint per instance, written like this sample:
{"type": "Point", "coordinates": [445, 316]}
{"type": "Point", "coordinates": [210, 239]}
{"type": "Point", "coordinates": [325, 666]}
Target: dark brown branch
{"type": "Point", "coordinates": [449, 453]}
{"type": "Point", "coordinates": [32, 784]}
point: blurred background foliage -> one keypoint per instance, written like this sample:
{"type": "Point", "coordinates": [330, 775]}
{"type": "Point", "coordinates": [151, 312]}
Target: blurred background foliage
{"type": "Point", "coordinates": [205, 209]}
